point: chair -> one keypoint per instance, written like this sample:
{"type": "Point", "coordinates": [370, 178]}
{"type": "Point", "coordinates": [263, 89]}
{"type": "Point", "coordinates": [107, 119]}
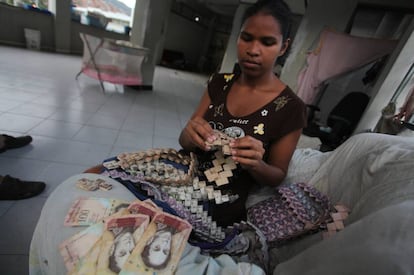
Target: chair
{"type": "Point", "coordinates": [341, 122]}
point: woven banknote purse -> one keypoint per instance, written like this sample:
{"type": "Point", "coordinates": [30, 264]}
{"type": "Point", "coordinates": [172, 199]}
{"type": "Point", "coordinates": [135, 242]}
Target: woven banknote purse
{"type": "Point", "coordinates": [183, 184]}
{"type": "Point", "coordinates": [295, 210]}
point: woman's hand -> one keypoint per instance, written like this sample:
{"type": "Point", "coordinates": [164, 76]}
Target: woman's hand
{"type": "Point", "coordinates": [247, 151]}
{"type": "Point", "coordinates": [197, 132]}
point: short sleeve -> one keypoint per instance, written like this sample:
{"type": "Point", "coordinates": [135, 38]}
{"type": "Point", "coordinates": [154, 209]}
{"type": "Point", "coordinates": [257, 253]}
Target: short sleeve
{"type": "Point", "coordinates": [293, 116]}
{"type": "Point", "coordinates": [217, 84]}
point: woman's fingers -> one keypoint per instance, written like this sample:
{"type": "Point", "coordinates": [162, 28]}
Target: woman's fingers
{"type": "Point", "coordinates": [200, 131]}
{"type": "Point", "coordinates": [247, 143]}
{"type": "Point", "coordinates": [248, 154]}
{"type": "Point", "coordinates": [247, 150]}
{"type": "Point", "coordinates": [194, 138]}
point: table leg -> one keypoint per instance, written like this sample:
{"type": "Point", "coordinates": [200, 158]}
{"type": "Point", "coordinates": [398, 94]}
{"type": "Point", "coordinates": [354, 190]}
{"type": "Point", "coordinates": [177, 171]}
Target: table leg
{"type": "Point", "coordinates": [92, 59]}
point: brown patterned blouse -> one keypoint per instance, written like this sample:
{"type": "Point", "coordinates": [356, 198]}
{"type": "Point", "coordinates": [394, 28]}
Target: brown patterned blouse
{"type": "Point", "coordinates": [282, 115]}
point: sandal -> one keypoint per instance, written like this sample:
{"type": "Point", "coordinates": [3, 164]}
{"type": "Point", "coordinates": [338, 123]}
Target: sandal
{"type": "Point", "coordinates": [15, 189]}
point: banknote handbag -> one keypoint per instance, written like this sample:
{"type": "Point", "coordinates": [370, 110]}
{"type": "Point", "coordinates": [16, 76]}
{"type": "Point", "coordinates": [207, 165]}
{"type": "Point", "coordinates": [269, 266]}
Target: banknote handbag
{"type": "Point", "coordinates": [296, 209]}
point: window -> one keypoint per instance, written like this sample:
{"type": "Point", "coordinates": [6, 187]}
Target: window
{"type": "Point", "coordinates": [39, 4]}
{"type": "Point", "coordinates": [112, 15]}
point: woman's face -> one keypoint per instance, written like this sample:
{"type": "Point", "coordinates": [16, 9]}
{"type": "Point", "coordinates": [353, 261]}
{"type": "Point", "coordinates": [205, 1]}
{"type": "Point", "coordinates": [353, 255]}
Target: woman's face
{"type": "Point", "coordinates": [160, 248]}
{"type": "Point", "coordinates": [259, 44]}
{"type": "Point", "coordinates": [124, 244]}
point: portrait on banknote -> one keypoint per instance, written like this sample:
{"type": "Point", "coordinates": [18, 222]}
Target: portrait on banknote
{"type": "Point", "coordinates": [160, 248]}
{"type": "Point", "coordinates": [118, 241]}
{"type": "Point", "coordinates": [157, 250]}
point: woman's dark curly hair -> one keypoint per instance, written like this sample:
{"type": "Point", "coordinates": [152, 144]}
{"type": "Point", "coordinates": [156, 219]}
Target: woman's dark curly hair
{"type": "Point", "coordinates": [280, 11]}
{"type": "Point", "coordinates": [276, 8]}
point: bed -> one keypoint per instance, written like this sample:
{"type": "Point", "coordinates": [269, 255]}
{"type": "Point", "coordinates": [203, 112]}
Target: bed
{"type": "Point", "coordinates": [370, 173]}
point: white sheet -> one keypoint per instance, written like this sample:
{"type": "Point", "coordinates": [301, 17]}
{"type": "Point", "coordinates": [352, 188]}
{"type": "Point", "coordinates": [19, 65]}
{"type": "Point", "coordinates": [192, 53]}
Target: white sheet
{"type": "Point", "coordinates": [368, 172]}
{"type": "Point", "coordinates": [373, 174]}
{"type": "Point", "coordinates": [50, 232]}
{"type": "Point", "coordinates": [380, 244]}
{"type": "Point", "coordinates": [302, 167]}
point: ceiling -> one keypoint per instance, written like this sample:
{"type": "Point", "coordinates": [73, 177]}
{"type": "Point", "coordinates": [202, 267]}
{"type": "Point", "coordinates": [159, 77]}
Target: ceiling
{"type": "Point", "coordinates": [228, 7]}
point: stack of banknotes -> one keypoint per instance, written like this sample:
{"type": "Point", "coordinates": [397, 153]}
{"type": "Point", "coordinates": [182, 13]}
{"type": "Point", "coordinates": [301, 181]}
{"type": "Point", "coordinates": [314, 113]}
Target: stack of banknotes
{"type": "Point", "coordinates": [123, 237]}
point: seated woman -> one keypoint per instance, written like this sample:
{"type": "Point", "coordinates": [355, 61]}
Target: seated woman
{"type": "Point", "coordinates": [254, 106]}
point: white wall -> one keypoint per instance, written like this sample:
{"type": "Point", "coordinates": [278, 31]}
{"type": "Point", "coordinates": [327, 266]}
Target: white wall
{"type": "Point", "coordinates": [62, 11]}
{"type": "Point", "coordinates": [230, 56]}
{"type": "Point", "coordinates": [320, 14]}
{"type": "Point", "coordinates": [149, 30]}
{"type": "Point", "coordinates": [185, 36]}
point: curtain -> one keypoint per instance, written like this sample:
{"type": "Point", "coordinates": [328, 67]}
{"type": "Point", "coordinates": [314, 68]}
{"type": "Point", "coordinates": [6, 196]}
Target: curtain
{"type": "Point", "coordinates": [336, 54]}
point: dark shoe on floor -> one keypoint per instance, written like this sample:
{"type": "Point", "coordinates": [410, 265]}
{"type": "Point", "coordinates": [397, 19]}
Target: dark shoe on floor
{"type": "Point", "coordinates": [15, 189]}
{"type": "Point", "coordinates": [15, 142]}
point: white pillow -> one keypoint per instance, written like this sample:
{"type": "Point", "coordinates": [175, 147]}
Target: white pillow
{"type": "Point", "coordinates": [303, 165]}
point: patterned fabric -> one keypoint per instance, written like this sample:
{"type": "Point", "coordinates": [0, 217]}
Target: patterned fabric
{"type": "Point", "coordinates": [295, 210]}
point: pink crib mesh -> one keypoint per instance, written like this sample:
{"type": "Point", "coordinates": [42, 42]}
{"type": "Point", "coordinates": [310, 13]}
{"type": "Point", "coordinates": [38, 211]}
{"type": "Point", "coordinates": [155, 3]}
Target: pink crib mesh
{"type": "Point", "coordinates": [114, 61]}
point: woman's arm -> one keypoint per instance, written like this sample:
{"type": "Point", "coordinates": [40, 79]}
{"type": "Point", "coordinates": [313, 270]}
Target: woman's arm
{"type": "Point", "coordinates": [197, 130]}
{"type": "Point", "coordinates": [249, 152]}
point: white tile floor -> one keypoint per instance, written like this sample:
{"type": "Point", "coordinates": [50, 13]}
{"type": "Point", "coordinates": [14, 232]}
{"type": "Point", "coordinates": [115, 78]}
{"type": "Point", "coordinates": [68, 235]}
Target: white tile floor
{"type": "Point", "coordinates": [74, 126]}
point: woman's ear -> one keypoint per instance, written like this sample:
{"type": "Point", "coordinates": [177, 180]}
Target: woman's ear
{"type": "Point", "coordinates": [284, 47]}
